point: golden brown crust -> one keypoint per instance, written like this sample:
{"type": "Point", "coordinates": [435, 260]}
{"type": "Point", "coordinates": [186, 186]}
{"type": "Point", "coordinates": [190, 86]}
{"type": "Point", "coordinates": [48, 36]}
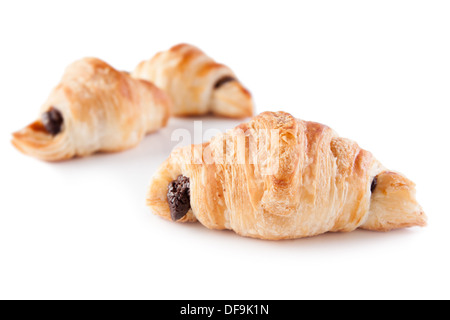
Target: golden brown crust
{"type": "Point", "coordinates": [104, 110]}
{"type": "Point", "coordinates": [277, 177]}
{"type": "Point", "coordinates": [188, 76]}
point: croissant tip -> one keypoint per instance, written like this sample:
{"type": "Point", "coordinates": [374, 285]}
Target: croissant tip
{"type": "Point", "coordinates": [15, 141]}
{"type": "Point", "coordinates": [19, 139]}
{"type": "Point", "coordinates": [422, 219]}
{"type": "Point", "coordinates": [15, 136]}
{"type": "Point", "coordinates": [232, 100]}
{"type": "Point", "coordinates": [35, 141]}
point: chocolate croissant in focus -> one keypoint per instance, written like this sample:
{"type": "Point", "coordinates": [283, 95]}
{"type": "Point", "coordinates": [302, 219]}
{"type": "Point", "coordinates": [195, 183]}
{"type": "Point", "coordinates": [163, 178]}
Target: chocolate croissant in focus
{"type": "Point", "coordinates": [95, 108]}
{"type": "Point", "coordinates": [196, 83]}
{"type": "Point", "coordinates": [277, 177]}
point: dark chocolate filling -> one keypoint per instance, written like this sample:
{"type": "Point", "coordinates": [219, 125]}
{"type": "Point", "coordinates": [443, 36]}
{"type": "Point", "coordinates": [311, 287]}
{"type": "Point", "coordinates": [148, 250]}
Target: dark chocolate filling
{"type": "Point", "coordinates": [178, 196]}
{"type": "Point", "coordinates": [374, 184]}
{"type": "Point", "coordinates": [222, 81]}
{"type": "Point", "coordinates": [52, 121]}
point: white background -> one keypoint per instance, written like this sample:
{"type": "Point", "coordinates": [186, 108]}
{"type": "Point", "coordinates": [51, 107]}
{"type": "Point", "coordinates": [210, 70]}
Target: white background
{"type": "Point", "coordinates": [376, 71]}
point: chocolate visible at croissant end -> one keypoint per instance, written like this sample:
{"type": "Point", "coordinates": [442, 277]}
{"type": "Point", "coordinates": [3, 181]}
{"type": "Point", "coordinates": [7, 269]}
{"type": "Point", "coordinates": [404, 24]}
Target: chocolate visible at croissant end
{"type": "Point", "coordinates": [374, 184]}
{"type": "Point", "coordinates": [52, 121]}
{"type": "Point", "coordinates": [223, 81]}
{"type": "Point", "coordinates": [178, 197]}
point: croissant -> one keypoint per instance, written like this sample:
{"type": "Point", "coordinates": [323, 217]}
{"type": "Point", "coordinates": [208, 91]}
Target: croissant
{"type": "Point", "coordinates": [95, 108]}
{"type": "Point", "coordinates": [196, 83]}
{"type": "Point", "coordinates": [277, 177]}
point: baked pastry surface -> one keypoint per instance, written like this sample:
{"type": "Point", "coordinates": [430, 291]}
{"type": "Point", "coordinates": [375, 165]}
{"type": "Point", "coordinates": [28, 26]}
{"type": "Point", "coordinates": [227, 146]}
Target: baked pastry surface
{"type": "Point", "coordinates": [277, 177]}
{"type": "Point", "coordinates": [95, 108]}
{"type": "Point", "coordinates": [196, 83]}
